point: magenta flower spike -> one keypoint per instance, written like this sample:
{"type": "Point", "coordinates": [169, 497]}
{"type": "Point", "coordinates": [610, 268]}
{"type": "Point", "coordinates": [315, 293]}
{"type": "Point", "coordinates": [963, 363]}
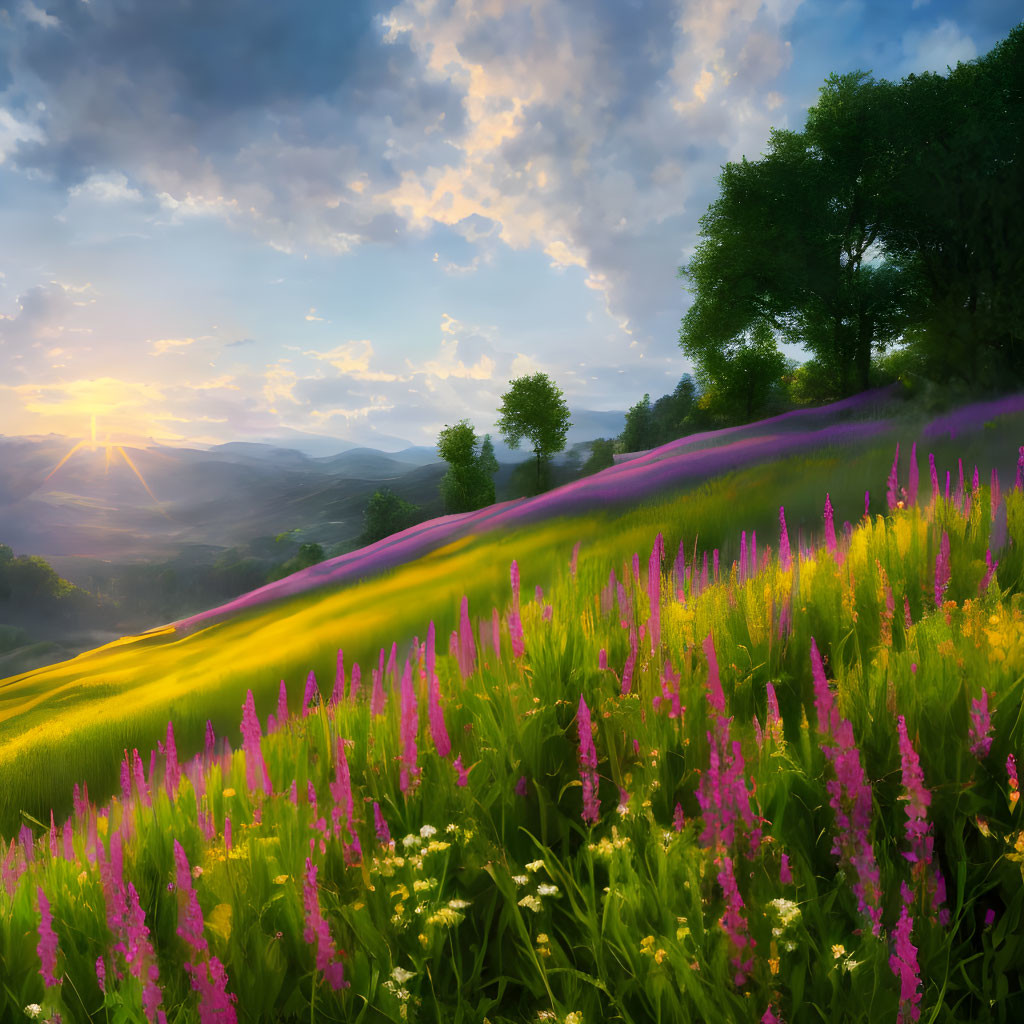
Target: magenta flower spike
{"type": "Point", "coordinates": [990, 568]}
{"type": "Point", "coordinates": [392, 664]}
{"type": "Point", "coordinates": [514, 573]}
{"type": "Point", "coordinates": [602, 659]}
{"type": "Point", "coordinates": [892, 490]}
{"type": "Point", "coordinates": [912, 480]}
{"type": "Point", "coordinates": [311, 693]}
{"type": "Point", "coordinates": [139, 774]}
{"type": "Point", "coordinates": [467, 648]}
{"type": "Point", "coordinates": [282, 705]}
{"type": "Point", "coordinates": [515, 632]}
{"type": "Point", "coordinates": [68, 836]}
{"type": "Point", "coordinates": [575, 556]}
{"type": "Point", "coordinates": [255, 768]}
{"type": "Point", "coordinates": [627, 671]}
{"type": "Point", "coordinates": [934, 475]}
{"type": "Point", "coordinates": [211, 741]}
{"type": "Point", "coordinates": [461, 773]}
{"type": "Point", "coordinates": [942, 571]}
{"type": "Point", "coordinates": [377, 700]}
{"type": "Point", "coordinates": [678, 821]}
{"type": "Point", "coordinates": [381, 826]}
{"type": "Point", "coordinates": [830, 528]}
{"type": "Point", "coordinates": [975, 481]}
{"type": "Point", "coordinates": [981, 726]}
{"type": "Point", "coordinates": [588, 765]}
{"type": "Point", "coordinates": [784, 556]}
{"type": "Point", "coordinates": [753, 552]}
{"type": "Point", "coordinates": [654, 594]}
{"type": "Point", "coordinates": [172, 769]}
{"type": "Point", "coordinates": [785, 872]}
{"type": "Point", "coordinates": [338, 695]}
{"type": "Point", "coordinates": [867, 504]}
{"type": "Point", "coordinates": [357, 675]}
{"type": "Point", "coordinates": [190, 916]}
{"type": "Point", "coordinates": [318, 931]}
{"type": "Point", "coordinates": [733, 922]}
{"type": "Point", "coordinates": [636, 568]}
{"type": "Point", "coordinates": [743, 556]}
{"type": "Point", "coordinates": [716, 698]}
{"type": "Point", "coordinates": [101, 974]}
{"type": "Point", "coordinates": [409, 727]}
{"type": "Point", "coordinates": [903, 962]}
{"type": "Point", "coordinates": [47, 947]}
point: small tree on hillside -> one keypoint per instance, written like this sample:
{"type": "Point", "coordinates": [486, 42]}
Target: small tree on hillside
{"type": "Point", "coordinates": [469, 482]}
{"type": "Point", "coordinates": [386, 513]}
{"type": "Point", "coordinates": [601, 452]}
{"type": "Point", "coordinates": [638, 434]}
{"type": "Point", "coordinates": [534, 408]}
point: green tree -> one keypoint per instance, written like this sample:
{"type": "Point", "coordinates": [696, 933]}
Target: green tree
{"type": "Point", "coordinates": [386, 513]}
{"type": "Point", "coordinates": [814, 198]}
{"type": "Point", "coordinates": [747, 380]}
{"type": "Point", "coordinates": [669, 413]}
{"type": "Point", "coordinates": [534, 408]}
{"type": "Point", "coordinates": [601, 456]}
{"type": "Point", "coordinates": [488, 466]}
{"type": "Point", "coordinates": [638, 434]}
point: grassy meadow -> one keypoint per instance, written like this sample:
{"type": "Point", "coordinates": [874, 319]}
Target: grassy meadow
{"type": "Point", "coordinates": [631, 765]}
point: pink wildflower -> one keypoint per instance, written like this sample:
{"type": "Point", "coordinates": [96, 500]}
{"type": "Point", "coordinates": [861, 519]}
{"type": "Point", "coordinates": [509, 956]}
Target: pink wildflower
{"type": "Point", "coordinates": [769, 1017]}
{"type": "Point", "coordinates": [255, 768]}
{"type": "Point", "coordinates": [575, 556]}
{"type": "Point", "coordinates": [338, 694]}
{"type": "Point", "coordinates": [514, 573]}
{"type": "Point", "coordinates": [380, 825]}
{"type": "Point", "coordinates": [784, 556]}
{"type": "Point", "coordinates": [520, 787]}
{"type": "Point", "coordinates": [282, 705]}
{"type": "Point", "coordinates": [732, 922]}
{"type": "Point", "coordinates": [311, 697]}
{"type": "Point", "coordinates": [317, 930]}
{"type": "Point", "coordinates": [892, 492]}
{"type": "Point", "coordinates": [190, 916]}
{"type": "Point", "coordinates": [496, 632]}
{"type": "Point", "coordinates": [981, 726]}
{"type": "Point", "coordinates": [602, 660]}
{"type": "Point", "coordinates": [743, 556]}
{"type": "Point", "coordinates": [515, 631]}
{"type": "Point", "coordinates": [678, 821]}
{"type": "Point", "coordinates": [467, 648]}
{"type": "Point", "coordinates": [994, 496]}
{"type": "Point", "coordinates": [377, 699]}
{"type": "Point", "coordinates": [627, 671]}
{"type": "Point", "coordinates": [101, 973]}
{"type": "Point", "coordinates": [461, 773]}
{"type": "Point", "coordinates": [990, 568]}
{"type": "Point", "coordinates": [849, 796]}
{"type": "Point", "coordinates": [903, 962]}
{"type": "Point", "coordinates": [409, 727]}
{"type": "Point", "coordinates": [785, 873]}
{"type": "Point", "coordinates": [934, 475]}
{"type": "Point", "coordinates": [588, 765]}
{"type": "Point", "coordinates": [47, 947]}
{"type": "Point", "coordinates": [716, 698]}
{"type": "Point", "coordinates": [912, 481]}
{"type": "Point", "coordinates": [357, 675]}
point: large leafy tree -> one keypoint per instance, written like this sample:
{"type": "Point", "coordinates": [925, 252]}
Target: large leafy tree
{"type": "Point", "coordinates": [638, 434]}
{"type": "Point", "coordinates": [785, 246]}
{"type": "Point", "coordinates": [534, 408]}
{"type": "Point", "coordinates": [952, 214]}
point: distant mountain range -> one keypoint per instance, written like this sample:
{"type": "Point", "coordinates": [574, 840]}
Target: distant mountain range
{"type": "Point", "coordinates": [155, 502]}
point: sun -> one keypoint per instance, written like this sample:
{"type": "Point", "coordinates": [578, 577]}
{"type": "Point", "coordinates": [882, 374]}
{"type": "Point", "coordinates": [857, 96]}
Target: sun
{"type": "Point", "coordinates": [110, 448]}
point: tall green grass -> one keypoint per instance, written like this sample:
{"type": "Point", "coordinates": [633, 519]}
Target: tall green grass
{"type": "Point", "coordinates": [512, 909]}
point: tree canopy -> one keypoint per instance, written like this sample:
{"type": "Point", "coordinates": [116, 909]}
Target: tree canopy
{"type": "Point", "coordinates": [534, 408]}
{"type": "Point", "coordinates": [894, 217]}
{"type": "Point", "coordinates": [469, 482]}
{"type": "Point", "coordinates": [386, 513]}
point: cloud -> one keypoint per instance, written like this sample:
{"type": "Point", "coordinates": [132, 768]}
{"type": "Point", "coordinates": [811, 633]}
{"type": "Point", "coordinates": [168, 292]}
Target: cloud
{"type": "Point", "coordinates": [311, 315]}
{"type": "Point", "coordinates": [352, 361]}
{"type": "Point", "coordinates": [165, 345]}
{"type": "Point", "coordinates": [111, 187]}
{"type": "Point", "coordinates": [942, 47]}
{"type": "Point", "coordinates": [240, 342]}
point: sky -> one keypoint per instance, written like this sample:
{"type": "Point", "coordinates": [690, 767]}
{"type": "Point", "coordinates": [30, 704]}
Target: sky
{"type": "Point", "coordinates": [262, 221]}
